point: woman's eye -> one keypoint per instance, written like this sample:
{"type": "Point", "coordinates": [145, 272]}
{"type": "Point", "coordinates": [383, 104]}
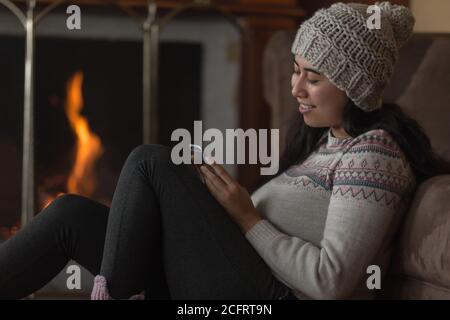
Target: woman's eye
{"type": "Point", "coordinates": [312, 81]}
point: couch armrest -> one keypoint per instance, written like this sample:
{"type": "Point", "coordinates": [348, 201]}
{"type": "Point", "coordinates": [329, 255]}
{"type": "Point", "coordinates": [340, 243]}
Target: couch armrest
{"type": "Point", "coordinates": [423, 250]}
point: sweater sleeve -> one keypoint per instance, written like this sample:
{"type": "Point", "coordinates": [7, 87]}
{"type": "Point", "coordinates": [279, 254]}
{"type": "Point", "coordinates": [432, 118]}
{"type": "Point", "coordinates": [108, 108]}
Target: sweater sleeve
{"type": "Point", "coordinates": [370, 183]}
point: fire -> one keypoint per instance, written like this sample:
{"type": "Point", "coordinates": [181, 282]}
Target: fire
{"type": "Point", "coordinates": [89, 147]}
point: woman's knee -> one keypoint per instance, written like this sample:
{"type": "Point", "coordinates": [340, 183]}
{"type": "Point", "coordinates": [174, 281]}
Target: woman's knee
{"type": "Point", "coordinates": [72, 206]}
{"type": "Point", "coordinates": [63, 203]}
{"type": "Point", "coordinates": [152, 152]}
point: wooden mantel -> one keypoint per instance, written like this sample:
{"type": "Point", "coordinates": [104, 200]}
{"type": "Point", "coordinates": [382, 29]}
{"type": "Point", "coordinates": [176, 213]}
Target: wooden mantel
{"type": "Point", "coordinates": [238, 7]}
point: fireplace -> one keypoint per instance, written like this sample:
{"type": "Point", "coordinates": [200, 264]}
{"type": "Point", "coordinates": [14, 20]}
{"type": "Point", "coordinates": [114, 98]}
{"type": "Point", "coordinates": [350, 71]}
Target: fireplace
{"type": "Point", "coordinates": [228, 99]}
{"type": "Point", "coordinates": [88, 117]}
{"type": "Point", "coordinates": [199, 74]}
{"type": "Point", "coordinates": [88, 111]}
{"type": "Point", "coordinates": [201, 58]}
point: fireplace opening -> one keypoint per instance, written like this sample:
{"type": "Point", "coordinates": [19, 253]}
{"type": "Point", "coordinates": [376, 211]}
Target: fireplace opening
{"type": "Point", "coordinates": [88, 113]}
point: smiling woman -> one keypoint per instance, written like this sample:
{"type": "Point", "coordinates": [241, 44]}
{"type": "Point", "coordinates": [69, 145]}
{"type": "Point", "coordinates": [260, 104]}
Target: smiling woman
{"type": "Point", "coordinates": [351, 162]}
{"type": "Point", "coordinates": [321, 102]}
{"type": "Point", "coordinates": [331, 214]}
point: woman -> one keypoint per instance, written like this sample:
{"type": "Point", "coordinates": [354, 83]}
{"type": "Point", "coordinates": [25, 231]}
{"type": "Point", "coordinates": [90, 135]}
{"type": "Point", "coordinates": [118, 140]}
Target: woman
{"type": "Point", "coordinates": [346, 179]}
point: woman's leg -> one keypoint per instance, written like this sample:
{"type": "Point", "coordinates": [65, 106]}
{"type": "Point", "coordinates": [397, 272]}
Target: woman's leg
{"type": "Point", "coordinates": [166, 233]}
{"type": "Point", "coordinates": [71, 227]}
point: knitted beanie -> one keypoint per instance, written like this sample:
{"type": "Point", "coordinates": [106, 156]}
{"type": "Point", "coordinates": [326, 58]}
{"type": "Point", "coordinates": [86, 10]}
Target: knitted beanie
{"type": "Point", "coordinates": [355, 58]}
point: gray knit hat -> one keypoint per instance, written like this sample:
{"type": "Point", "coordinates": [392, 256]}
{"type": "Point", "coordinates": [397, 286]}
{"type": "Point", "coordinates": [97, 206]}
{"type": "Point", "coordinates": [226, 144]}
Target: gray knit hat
{"type": "Point", "coordinates": [358, 60]}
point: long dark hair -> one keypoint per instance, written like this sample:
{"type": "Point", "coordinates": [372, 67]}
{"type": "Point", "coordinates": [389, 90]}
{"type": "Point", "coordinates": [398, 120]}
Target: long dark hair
{"type": "Point", "coordinates": [302, 140]}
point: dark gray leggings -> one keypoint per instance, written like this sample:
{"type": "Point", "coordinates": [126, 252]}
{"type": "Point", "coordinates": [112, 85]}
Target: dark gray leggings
{"type": "Point", "coordinates": [164, 233]}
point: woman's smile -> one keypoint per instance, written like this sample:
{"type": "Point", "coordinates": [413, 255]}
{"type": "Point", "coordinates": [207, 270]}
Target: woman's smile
{"type": "Point", "coordinates": [305, 108]}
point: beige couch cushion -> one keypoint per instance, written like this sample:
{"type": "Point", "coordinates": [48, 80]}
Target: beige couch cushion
{"type": "Point", "coordinates": [427, 100]}
{"type": "Point", "coordinates": [421, 261]}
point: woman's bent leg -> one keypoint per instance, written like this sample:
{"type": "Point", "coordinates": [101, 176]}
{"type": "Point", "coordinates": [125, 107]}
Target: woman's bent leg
{"type": "Point", "coordinates": [158, 205]}
{"type": "Point", "coordinates": [71, 227]}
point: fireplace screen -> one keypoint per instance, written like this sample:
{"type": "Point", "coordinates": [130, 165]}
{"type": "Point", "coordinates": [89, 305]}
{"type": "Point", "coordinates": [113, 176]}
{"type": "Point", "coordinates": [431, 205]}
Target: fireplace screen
{"type": "Point", "coordinates": [88, 114]}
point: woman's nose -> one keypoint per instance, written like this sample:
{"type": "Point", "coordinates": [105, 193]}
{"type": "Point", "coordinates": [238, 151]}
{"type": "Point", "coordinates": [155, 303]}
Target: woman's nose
{"type": "Point", "coordinates": [298, 89]}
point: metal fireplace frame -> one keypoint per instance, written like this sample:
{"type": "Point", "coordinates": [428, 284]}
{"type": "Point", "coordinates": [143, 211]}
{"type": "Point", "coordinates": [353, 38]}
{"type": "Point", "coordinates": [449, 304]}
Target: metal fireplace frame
{"type": "Point", "coordinates": [150, 26]}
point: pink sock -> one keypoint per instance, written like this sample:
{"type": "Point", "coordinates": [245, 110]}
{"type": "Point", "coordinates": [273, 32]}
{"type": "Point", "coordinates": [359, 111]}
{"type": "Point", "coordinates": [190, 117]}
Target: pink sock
{"type": "Point", "coordinates": [100, 290]}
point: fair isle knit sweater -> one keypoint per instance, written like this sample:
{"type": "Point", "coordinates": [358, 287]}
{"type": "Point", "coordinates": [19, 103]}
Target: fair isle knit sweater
{"type": "Point", "coordinates": [326, 220]}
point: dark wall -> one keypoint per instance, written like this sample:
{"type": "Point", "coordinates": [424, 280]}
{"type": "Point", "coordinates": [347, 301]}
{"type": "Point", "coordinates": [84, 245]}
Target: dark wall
{"type": "Point", "coordinates": [312, 6]}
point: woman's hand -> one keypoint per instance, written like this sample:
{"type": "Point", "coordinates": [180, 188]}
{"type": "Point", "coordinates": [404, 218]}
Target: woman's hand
{"type": "Point", "coordinates": [231, 195]}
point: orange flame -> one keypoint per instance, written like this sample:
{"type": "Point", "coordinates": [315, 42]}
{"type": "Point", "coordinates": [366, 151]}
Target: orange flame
{"type": "Point", "coordinates": [89, 146]}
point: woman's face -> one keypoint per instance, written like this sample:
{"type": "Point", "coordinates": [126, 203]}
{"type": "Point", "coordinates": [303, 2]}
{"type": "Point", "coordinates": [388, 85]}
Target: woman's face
{"type": "Point", "coordinates": [320, 102]}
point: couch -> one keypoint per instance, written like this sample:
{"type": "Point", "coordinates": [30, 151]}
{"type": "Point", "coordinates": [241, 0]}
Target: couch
{"type": "Point", "coordinates": [420, 265]}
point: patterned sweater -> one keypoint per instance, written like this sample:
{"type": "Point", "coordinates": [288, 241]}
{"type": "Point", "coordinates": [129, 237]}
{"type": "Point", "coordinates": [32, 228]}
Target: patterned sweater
{"type": "Point", "coordinates": [329, 218]}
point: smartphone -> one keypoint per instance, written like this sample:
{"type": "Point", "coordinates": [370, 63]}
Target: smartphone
{"type": "Point", "coordinates": [197, 148]}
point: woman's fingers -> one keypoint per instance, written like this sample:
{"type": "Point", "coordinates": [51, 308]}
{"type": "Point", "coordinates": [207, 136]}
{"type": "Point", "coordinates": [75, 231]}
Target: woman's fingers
{"type": "Point", "coordinates": [216, 180]}
{"type": "Point", "coordinates": [211, 183]}
{"type": "Point", "coordinates": [220, 171]}
{"type": "Point", "coordinates": [197, 168]}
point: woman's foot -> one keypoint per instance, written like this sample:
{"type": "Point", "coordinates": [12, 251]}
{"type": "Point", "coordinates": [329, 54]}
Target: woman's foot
{"type": "Point", "coordinates": [100, 290]}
